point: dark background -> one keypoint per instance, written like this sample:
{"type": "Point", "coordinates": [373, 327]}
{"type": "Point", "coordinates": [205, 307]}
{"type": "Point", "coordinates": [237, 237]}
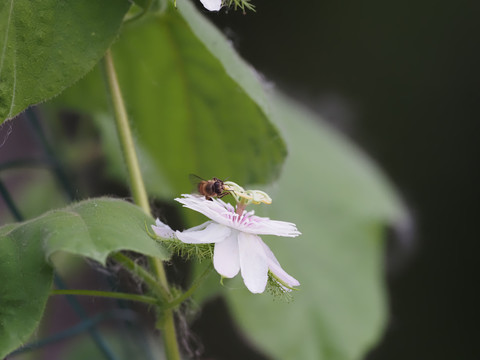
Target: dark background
{"type": "Point", "coordinates": [401, 79]}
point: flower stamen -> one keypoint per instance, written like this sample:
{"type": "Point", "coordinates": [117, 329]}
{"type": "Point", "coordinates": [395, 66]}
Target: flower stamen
{"type": "Point", "coordinates": [246, 196]}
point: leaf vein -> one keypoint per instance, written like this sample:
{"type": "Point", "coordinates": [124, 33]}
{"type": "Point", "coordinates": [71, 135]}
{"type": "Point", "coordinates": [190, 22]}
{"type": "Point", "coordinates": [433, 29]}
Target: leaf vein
{"type": "Point", "coordinates": [4, 50]}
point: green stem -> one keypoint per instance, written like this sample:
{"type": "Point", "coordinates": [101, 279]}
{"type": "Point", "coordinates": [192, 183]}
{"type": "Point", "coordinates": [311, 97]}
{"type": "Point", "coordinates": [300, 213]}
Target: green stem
{"type": "Point", "coordinates": [140, 198]}
{"type": "Point", "coordinates": [175, 302]}
{"type": "Point", "coordinates": [169, 335]}
{"type": "Point", "coordinates": [107, 294]}
{"type": "Point", "coordinates": [144, 275]}
{"type": "Point", "coordinates": [128, 147]}
{"type": "Point", "coordinates": [125, 136]}
{"type": "Point", "coordinates": [166, 321]}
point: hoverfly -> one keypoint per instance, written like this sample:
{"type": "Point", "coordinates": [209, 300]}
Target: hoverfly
{"type": "Point", "coordinates": [209, 188]}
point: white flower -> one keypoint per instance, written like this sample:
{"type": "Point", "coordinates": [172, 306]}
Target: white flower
{"type": "Point", "coordinates": [237, 244]}
{"type": "Point", "coordinates": [212, 5]}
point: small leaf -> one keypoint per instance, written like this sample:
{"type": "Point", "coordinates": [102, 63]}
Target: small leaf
{"type": "Point", "coordinates": [48, 45]}
{"type": "Point", "coordinates": [93, 228]}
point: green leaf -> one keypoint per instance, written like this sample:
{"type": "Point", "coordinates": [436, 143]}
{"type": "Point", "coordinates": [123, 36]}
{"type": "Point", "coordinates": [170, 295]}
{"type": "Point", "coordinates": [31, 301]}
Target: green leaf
{"type": "Point", "coordinates": [191, 115]}
{"type": "Point", "coordinates": [221, 48]}
{"type": "Point", "coordinates": [48, 45]}
{"type": "Point", "coordinates": [97, 227]}
{"type": "Point", "coordinates": [341, 203]}
{"type": "Point", "coordinates": [25, 281]}
{"type": "Point", "coordinates": [93, 228]}
{"type": "Point", "coordinates": [188, 113]}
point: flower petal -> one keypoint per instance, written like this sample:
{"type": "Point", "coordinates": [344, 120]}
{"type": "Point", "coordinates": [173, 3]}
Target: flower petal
{"type": "Point", "coordinates": [265, 226]}
{"type": "Point", "coordinates": [212, 233]}
{"type": "Point", "coordinates": [253, 262]}
{"type": "Point", "coordinates": [163, 230]}
{"type": "Point", "coordinates": [212, 5]}
{"type": "Point", "coordinates": [225, 214]}
{"type": "Point", "coordinates": [276, 269]}
{"type": "Point", "coordinates": [198, 227]}
{"type": "Point", "coordinates": [215, 209]}
{"type": "Point", "coordinates": [226, 259]}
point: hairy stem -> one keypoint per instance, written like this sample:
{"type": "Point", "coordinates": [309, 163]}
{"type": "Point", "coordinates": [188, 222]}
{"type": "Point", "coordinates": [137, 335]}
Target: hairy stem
{"type": "Point", "coordinates": [107, 294]}
{"type": "Point", "coordinates": [177, 301]}
{"type": "Point", "coordinates": [128, 148]}
{"type": "Point", "coordinates": [159, 283]}
{"type": "Point", "coordinates": [139, 271]}
{"type": "Point", "coordinates": [125, 137]}
{"type": "Point", "coordinates": [166, 321]}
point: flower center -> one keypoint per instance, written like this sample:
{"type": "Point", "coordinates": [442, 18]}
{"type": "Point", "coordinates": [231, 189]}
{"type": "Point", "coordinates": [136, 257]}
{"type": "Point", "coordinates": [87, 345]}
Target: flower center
{"type": "Point", "coordinates": [240, 208]}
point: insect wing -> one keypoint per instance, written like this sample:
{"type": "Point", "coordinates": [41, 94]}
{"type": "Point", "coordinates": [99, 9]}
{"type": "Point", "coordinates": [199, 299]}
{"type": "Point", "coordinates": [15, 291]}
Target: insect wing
{"type": "Point", "coordinates": [195, 179]}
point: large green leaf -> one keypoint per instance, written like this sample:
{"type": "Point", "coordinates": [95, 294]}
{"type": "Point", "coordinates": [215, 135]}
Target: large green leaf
{"type": "Point", "coordinates": [47, 45]}
{"type": "Point", "coordinates": [92, 228]}
{"type": "Point", "coordinates": [188, 113]}
{"type": "Point", "coordinates": [341, 205]}
{"type": "Point", "coordinates": [341, 202]}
